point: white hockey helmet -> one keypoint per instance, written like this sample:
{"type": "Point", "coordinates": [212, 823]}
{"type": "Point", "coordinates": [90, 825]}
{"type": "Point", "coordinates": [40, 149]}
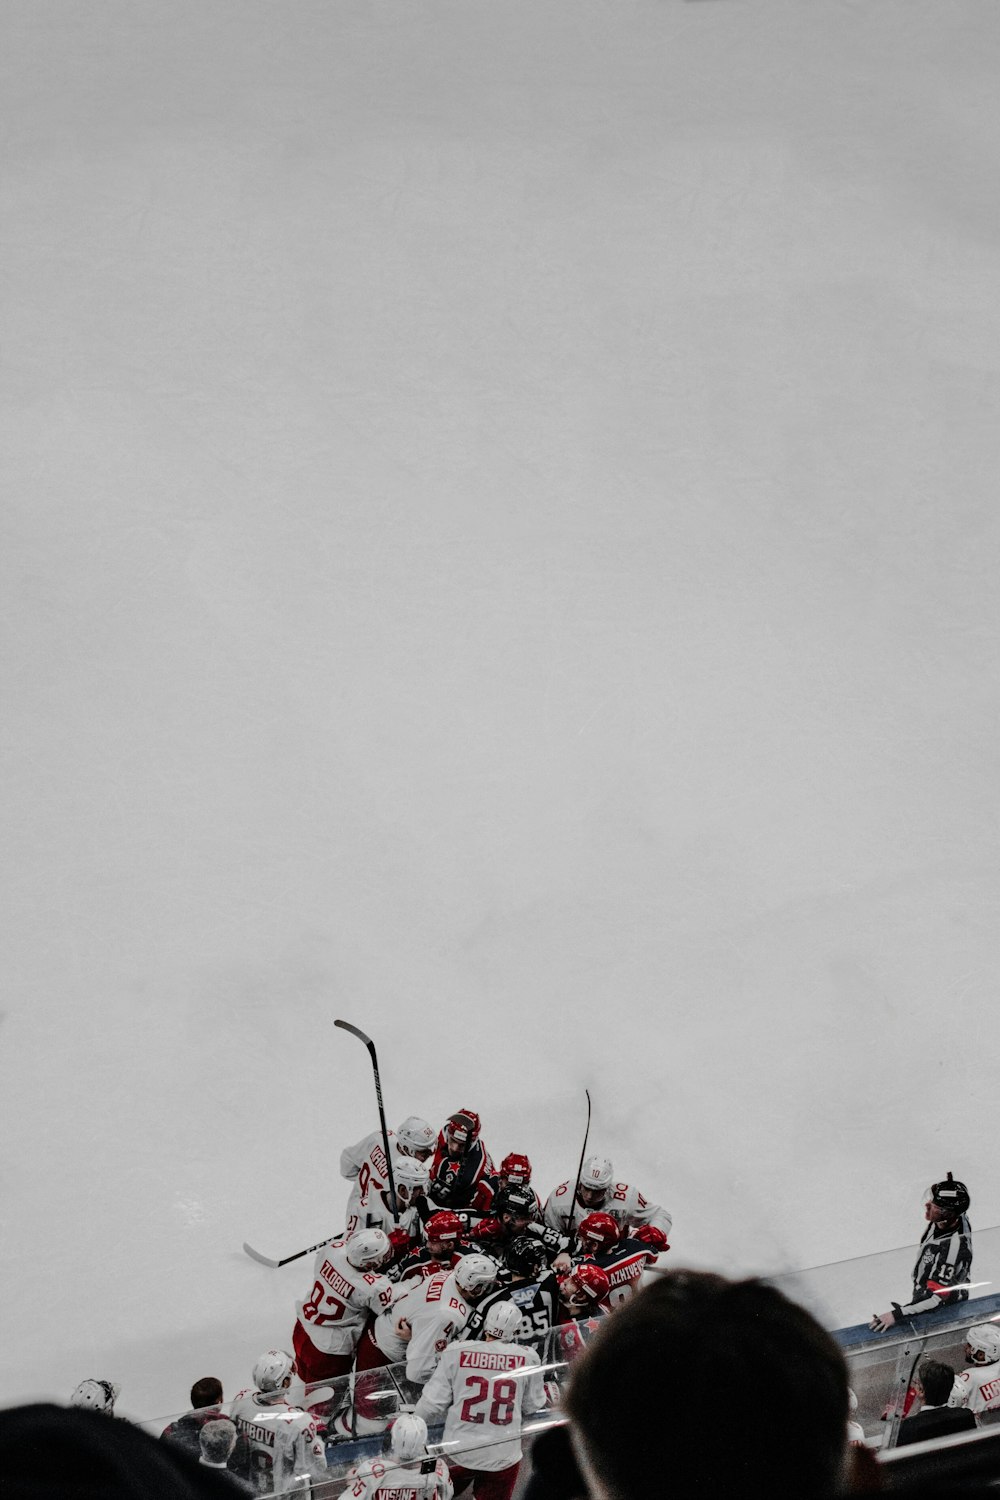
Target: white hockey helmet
{"type": "Point", "coordinates": [96, 1395]}
{"type": "Point", "coordinates": [852, 1400]}
{"type": "Point", "coordinates": [415, 1135]}
{"type": "Point", "coordinates": [502, 1320]}
{"type": "Point", "coordinates": [597, 1174]}
{"type": "Point", "coordinates": [272, 1370]}
{"type": "Point", "coordinates": [409, 1173]}
{"type": "Point", "coordinates": [983, 1340]}
{"type": "Point", "coordinates": [408, 1437]}
{"type": "Point", "coordinates": [367, 1249]}
{"type": "Point", "coordinates": [475, 1274]}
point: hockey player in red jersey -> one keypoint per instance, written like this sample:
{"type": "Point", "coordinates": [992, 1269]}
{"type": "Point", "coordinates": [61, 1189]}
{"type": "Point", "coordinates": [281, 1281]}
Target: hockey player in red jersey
{"type": "Point", "coordinates": [283, 1442]}
{"type": "Point", "coordinates": [347, 1288]}
{"type": "Point", "coordinates": [461, 1167]}
{"type": "Point", "coordinates": [598, 1190]}
{"type": "Point", "coordinates": [583, 1301]}
{"type": "Point", "coordinates": [442, 1248]}
{"type": "Point", "coordinates": [622, 1257]}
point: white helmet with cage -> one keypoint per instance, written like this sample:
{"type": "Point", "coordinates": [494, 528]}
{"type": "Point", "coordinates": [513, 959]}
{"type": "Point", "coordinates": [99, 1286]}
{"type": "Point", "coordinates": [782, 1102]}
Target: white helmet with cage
{"type": "Point", "coordinates": [415, 1135]}
{"type": "Point", "coordinates": [367, 1249]}
{"type": "Point", "coordinates": [983, 1340]}
{"type": "Point", "coordinates": [272, 1370]}
{"type": "Point", "coordinates": [475, 1274]}
{"type": "Point", "coordinates": [408, 1437]}
{"type": "Point", "coordinates": [502, 1321]}
{"type": "Point", "coordinates": [597, 1174]}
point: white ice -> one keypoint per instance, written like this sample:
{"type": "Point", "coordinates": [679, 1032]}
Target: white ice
{"type": "Point", "coordinates": [500, 544]}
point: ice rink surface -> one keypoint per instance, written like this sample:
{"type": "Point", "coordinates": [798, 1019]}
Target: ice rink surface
{"type": "Point", "coordinates": [500, 544]}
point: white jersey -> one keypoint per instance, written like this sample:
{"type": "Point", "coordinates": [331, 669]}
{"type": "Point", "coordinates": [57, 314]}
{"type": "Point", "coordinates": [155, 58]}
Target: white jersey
{"type": "Point", "coordinates": [284, 1446]}
{"type": "Point", "coordinates": [365, 1162]}
{"type": "Point", "coordinates": [624, 1203]}
{"type": "Point", "coordinates": [484, 1388]}
{"type": "Point", "coordinates": [376, 1214]}
{"type": "Point", "coordinates": [378, 1479]}
{"type": "Point", "coordinates": [336, 1310]}
{"type": "Point", "coordinates": [436, 1312]}
{"type": "Point", "coordinates": [977, 1388]}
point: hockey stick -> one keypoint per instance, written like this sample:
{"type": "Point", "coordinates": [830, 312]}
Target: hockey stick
{"type": "Point", "coordinates": [266, 1260]}
{"type": "Point", "coordinates": [346, 1026]}
{"type": "Point", "coordinates": [579, 1171]}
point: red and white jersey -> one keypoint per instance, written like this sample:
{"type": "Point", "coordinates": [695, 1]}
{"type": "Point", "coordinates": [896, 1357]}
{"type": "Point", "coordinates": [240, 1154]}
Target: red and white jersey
{"type": "Point", "coordinates": [282, 1440]}
{"type": "Point", "coordinates": [365, 1162]}
{"type": "Point", "coordinates": [977, 1388]}
{"type": "Point", "coordinates": [376, 1214]}
{"type": "Point", "coordinates": [624, 1203]}
{"type": "Point", "coordinates": [336, 1310]}
{"type": "Point", "coordinates": [436, 1312]}
{"type": "Point", "coordinates": [484, 1388]}
{"type": "Point", "coordinates": [378, 1479]}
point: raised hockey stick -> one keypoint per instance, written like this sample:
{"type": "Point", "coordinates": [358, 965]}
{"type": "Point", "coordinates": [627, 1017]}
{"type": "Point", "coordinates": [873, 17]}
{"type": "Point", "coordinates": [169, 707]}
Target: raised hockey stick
{"type": "Point", "coordinates": [579, 1170]}
{"type": "Point", "coordinates": [346, 1026]}
{"type": "Point", "coordinates": [266, 1260]}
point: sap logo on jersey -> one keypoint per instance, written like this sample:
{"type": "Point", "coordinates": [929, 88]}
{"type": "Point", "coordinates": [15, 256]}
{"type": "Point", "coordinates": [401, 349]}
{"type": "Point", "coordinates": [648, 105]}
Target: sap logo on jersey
{"type": "Point", "coordinates": [333, 1278]}
{"type": "Point", "coordinates": [475, 1359]}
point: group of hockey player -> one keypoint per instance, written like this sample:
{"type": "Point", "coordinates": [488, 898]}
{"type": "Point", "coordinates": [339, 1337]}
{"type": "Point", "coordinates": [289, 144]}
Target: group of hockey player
{"type": "Point", "coordinates": [455, 1273]}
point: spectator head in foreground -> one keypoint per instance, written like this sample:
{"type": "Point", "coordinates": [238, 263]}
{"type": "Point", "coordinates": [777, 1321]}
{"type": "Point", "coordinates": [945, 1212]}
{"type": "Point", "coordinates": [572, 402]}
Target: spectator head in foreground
{"type": "Point", "coordinates": [738, 1389]}
{"type": "Point", "coordinates": [64, 1453]}
{"type": "Point", "coordinates": [217, 1439]}
{"type": "Point", "coordinates": [96, 1395]}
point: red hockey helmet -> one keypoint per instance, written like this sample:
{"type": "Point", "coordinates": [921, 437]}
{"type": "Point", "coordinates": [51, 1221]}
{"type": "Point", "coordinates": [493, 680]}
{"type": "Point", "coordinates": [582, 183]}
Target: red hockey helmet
{"type": "Point", "coordinates": [598, 1232]}
{"type": "Point", "coordinates": [584, 1286]}
{"type": "Point", "coordinates": [516, 1169]}
{"type": "Point", "coordinates": [462, 1128]}
{"type": "Point", "coordinates": [443, 1225]}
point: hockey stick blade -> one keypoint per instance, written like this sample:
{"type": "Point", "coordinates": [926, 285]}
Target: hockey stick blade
{"type": "Point", "coordinates": [356, 1031]}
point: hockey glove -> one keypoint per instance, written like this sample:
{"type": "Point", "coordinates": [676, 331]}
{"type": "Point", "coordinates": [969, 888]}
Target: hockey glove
{"type": "Point", "coordinates": [654, 1238]}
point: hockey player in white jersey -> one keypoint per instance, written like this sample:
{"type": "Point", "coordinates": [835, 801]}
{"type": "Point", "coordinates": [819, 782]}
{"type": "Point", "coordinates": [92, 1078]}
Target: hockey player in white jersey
{"type": "Point", "coordinates": [411, 1178]}
{"type": "Point", "coordinates": [285, 1449]}
{"type": "Point", "coordinates": [408, 1473]}
{"type": "Point", "coordinates": [426, 1316]}
{"type": "Point", "coordinates": [978, 1388]}
{"type": "Point", "coordinates": [347, 1287]}
{"type": "Point", "coordinates": [598, 1189]}
{"type": "Point", "coordinates": [365, 1163]}
{"type": "Point", "coordinates": [485, 1388]}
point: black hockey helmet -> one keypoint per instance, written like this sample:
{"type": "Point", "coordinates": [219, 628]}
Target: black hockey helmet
{"type": "Point", "coordinates": [515, 1200]}
{"type": "Point", "coordinates": [950, 1195]}
{"type": "Point", "coordinates": [525, 1256]}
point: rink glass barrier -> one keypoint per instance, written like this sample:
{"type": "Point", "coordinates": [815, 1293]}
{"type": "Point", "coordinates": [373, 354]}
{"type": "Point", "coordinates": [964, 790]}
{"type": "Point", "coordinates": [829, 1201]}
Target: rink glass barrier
{"type": "Point", "coordinates": [842, 1296]}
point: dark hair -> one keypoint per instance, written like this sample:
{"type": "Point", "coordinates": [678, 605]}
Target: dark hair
{"type": "Point", "coordinates": [937, 1379]}
{"type": "Point", "coordinates": [734, 1386]}
{"type": "Point", "coordinates": [206, 1392]}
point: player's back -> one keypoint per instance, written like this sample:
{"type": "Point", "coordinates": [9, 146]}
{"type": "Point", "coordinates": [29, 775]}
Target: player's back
{"type": "Point", "coordinates": [282, 1441]}
{"type": "Point", "coordinates": [977, 1388]}
{"type": "Point", "coordinates": [334, 1312]}
{"type": "Point", "coordinates": [378, 1479]}
{"type": "Point", "coordinates": [487, 1388]}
